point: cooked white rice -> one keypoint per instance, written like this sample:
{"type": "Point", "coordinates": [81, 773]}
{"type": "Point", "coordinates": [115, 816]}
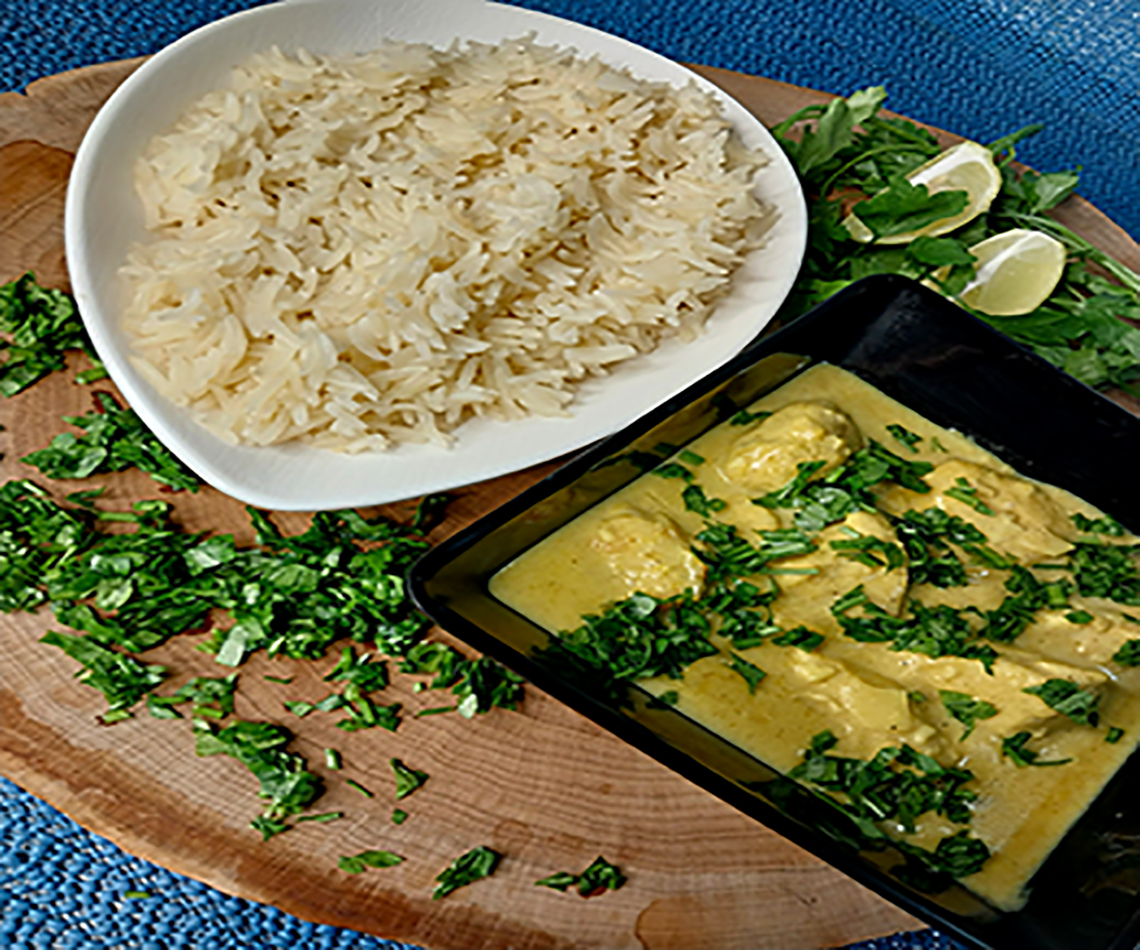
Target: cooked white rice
{"type": "Point", "coordinates": [364, 251]}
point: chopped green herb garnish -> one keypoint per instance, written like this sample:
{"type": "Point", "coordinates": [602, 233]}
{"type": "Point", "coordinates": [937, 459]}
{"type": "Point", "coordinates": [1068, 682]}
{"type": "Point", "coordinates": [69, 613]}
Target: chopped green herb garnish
{"type": "Point", "coordinates": [696, 500]}
{"type": "Point", "coordinates": [352, 783]}
{"type": "Point", "coordinates": [407, 780]}
{"type": "Point", "coordinates": [300, 708]}
{"type": "Point", "coordinates": [284, 680]}
{"type": "Point", "coordinates": [399, 816]}
{"type": "Point", "coordinates": [1128, 654]}
{"type": "Point", "coordinates": [1079, 616]}
{"type": "Point", "coordinates": [869, 550]}
{"type": "Point", "coordinates": [668, 698]}
{"type": "Point", "coordinates": [743, 417]}
{"type": "Point", "coordinates": [1105, 525]}
{"type": "Point", "coordinates": [1106, 570]}
{"type": "Point", "coordinates": [599, 877]}
{"type": "Point", "coordinates": [114, 438]}
{"type": "Point", "coordinates": [1067, 698]}
{"type": "Point", "coordinates": [751, 673]}
{"type": "Point", "coordinates": [938, 446]}
{"type": "Point", "coordinates": [323, 818]}
{"type": "Point", "coordinates": [1115, 734]}
{"type": "Point", "coordinates": [1013, 748]}
{"type": "Point", "coordinates": [480, 685]}
{"type": "Point", "coordinates": [40, 326]}
{"type": "Point", "coordinates": [800, 637]}
{"type": "Point", "coordinates": [905, 436]}
{"type": "Point", "coordinates": [968, 495]}
{"type": "Point", "coordinates": [286, 786]}
{"type": "Point", "coordinates": [137, 895]}
{"type": "Point", "coordinates": [476, 864]}
{"type": "Point", "coordinates": [690, 458]}
{"type": "Point", "coordinates": [434, 710]}
{"type": "Point", "coordinates": [898, 784]}
{"type": "Point", "coordinates": [333, 760]}
{"type": "Point", "coordinates": [123, 680]}
{"type": "Point", "coordinates": [966, 709]}
{"type": "Point", "coordinates": [357, 863]}
{"type": "Point", "coordinates": [673, 470]}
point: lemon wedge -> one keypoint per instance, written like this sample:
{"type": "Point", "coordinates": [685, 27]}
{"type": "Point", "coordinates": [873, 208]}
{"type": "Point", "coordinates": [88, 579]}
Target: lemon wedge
{"type": "Point", "coordinates": [1014, 274]}
{"type": "Point", "coordinates": [967, 167]}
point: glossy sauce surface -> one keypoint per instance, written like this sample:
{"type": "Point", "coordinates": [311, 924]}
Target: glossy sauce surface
{"type": "Point", "coordinates": [869, 695]}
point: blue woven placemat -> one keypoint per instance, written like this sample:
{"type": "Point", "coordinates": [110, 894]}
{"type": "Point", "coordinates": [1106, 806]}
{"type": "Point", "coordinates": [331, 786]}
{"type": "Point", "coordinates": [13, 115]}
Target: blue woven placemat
{"type": "Point", "coordinates": [980, 68]}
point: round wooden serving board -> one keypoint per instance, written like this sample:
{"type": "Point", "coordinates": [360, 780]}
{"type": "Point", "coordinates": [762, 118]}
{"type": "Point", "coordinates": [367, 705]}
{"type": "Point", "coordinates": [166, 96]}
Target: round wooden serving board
{"type": "Point", "coordinates": [543, 786]}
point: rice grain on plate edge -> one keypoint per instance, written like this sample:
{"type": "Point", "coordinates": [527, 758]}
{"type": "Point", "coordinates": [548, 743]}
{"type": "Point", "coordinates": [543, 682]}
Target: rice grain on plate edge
{"type": "Point", "coordinates": [365, 251]}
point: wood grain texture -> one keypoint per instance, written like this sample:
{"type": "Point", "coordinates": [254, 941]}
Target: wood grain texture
{"type": "Point", "coordinates": [543, 786]}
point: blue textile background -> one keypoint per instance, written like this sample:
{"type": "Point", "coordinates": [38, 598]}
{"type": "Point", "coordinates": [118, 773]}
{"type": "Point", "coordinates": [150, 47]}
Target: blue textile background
{"type": "Point", "coordinates": [980, 68]}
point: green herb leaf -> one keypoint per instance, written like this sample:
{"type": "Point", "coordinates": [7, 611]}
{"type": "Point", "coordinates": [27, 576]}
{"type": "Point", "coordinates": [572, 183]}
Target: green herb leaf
{"type": "Point", "coordinates": [285, 785]}
{"type": "Point", "coordinates": [968, 495]}
{"type": "Point", "coordinates": [599, 877]}
{"type": "Point", "coordinates": [902, 434]}
{"type": "Point", "coordinates": [751, 673]}
{"type": "Point", "coordinates": [1105, 525]}
{"type": "Point", "coordinates": [407, 780]}
{"type": "Point", "coordinates": [476, 864]}
{"type": "Point", "coordinates": [696, 500]}
{"type": "Point", "coordinates": [904, 207]}
{"type": "Point", "coordinates": [966, 709]}
{"type": "Point", "coordinates": [114, 438]}
{"type": "Point", "coordinates": [358, 863]}
{"type": "Point", "coordinates": [123, 680]}
{"type": "Point", "coordinates": [673, 470]}
{"type": "Point", "coordinates": [41, 325]}
{"type": "Point", "coordinates": [1013, 748]}
{"type": "Point", "coordinates": [1067, 698]}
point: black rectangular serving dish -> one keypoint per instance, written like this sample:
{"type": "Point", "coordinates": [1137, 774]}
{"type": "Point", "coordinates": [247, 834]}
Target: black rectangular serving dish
{"type": "Point", "coordinates": [932, 356]}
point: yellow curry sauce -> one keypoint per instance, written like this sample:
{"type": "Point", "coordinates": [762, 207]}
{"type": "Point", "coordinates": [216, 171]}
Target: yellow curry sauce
{"type": "Point", "coordinates": [872, 695]}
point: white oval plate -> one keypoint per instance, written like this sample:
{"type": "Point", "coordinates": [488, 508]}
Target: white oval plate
{"type": "Point", "coordinates": [104, 217]}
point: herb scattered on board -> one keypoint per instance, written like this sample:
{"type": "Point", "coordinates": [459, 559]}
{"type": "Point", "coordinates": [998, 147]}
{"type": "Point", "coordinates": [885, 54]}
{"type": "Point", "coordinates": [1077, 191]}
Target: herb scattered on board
{"type": "Point", "coordinates": [212, 697]}
{"type": "Point", "coordinates": [476, 864]}
{"type": "Point", "coordinates": [407, 780]}
{"type": "Point", "coordinates": [599, 877]}
{"type": "Point", "coordinates": [123, 680]}
{"type": "Point", "coordinates": [286, 786]}
{"type": "Point", "coordinates": [39, 327]}
{"type": "Point", "coordinates": [846, 149]}
{"type": "Point", "coordinates": [356, 786]}
{"type": "Point", "coordinates": [480, 685]}
{"type": "Point", "coordinates": [358, 863]}
{"type": "Point", "coordinates": [113, 439]}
